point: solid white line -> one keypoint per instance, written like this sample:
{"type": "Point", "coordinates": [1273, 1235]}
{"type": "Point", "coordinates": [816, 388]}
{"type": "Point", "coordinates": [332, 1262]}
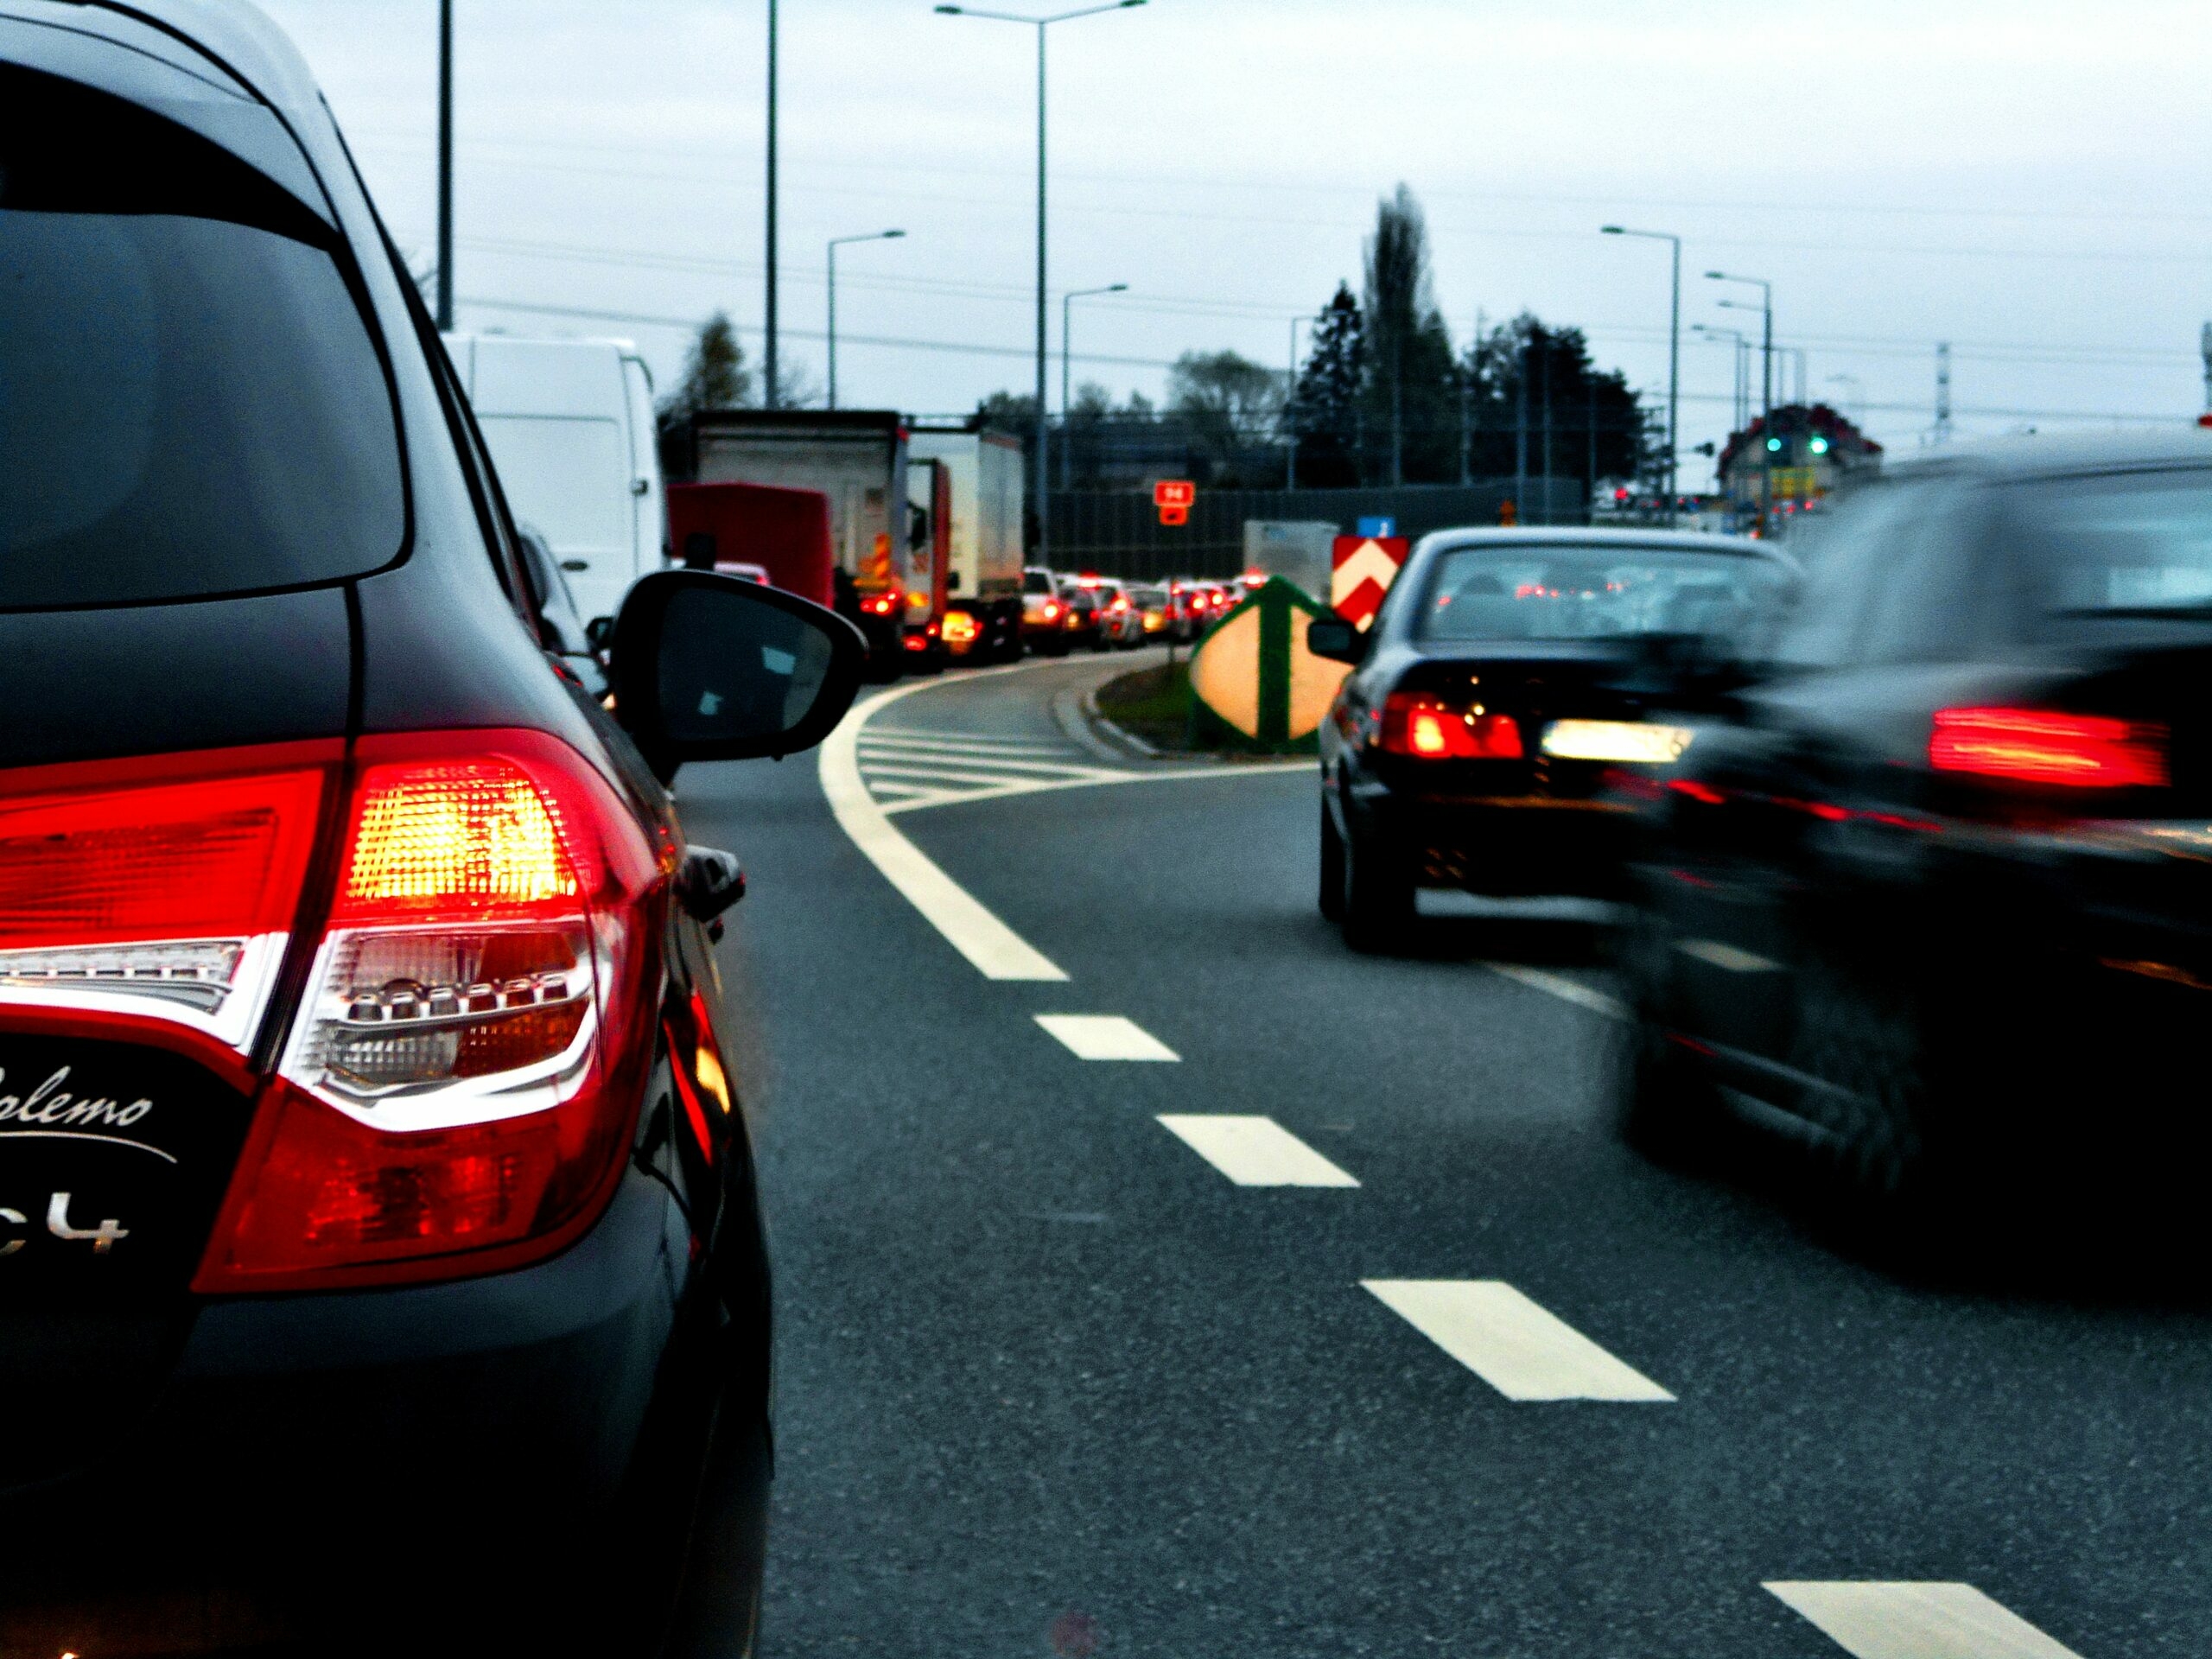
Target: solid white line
{"type": "Point", "coordinates": [1918, 1621]}
{"type": "Point", "coordinates": [1715, 954]}
{"type": "Point", "coordinates": [873, 768]}
{"type": "Point", "coordinates": [904, 734]}
{"type": "Point", "coordinates": [1255, 1151]}
{"type": "Point", "coordinates": [1559, 985]}
{"type": "Point", "coordinates": [973, 751]}
{"type": "Point", "coordinates": [995, 949]}
{"type": "Point", "coordinates": [1162, 776]}
{"type": "Point", "coordinates": [1105, 1037]}
{"type": "Point", "coordinates": [1513, 1344]}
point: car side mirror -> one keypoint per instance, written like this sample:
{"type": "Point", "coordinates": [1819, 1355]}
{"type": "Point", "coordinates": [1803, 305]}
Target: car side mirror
{"type": "Point", "coordinates": [1335, 639]}
{"type": "Point", "coordinates": [711, 667]}
{"type": "Point", "coordinates": [599, 633]}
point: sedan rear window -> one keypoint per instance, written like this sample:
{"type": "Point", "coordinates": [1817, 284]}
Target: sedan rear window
{"type": "Point", "coordinates": [1562, 591]}
{"type": "Point", "coordinates": [193, 405]}
{"type": "Point", "coordinates": [2134, 546]}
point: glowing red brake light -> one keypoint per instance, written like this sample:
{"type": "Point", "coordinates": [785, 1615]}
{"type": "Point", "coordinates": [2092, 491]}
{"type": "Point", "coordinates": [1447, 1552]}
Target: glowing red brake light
{"type": "Point", "coordinates": [469, 1052]}
{"type": "Point", "coordinates": [2034, 747]}
{"type": "Point", "coordinates": [1429, 729]}
{"type": "Point", "coordinates": [156, 895]}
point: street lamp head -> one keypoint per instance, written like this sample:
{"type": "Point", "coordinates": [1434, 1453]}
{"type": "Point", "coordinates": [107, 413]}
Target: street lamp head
{"type": "Point", "coordinates": [948, 11]}
{"type": "Point", "coordinates": [1122, 287]}
{"type": "Point", "coordinates": [1710, 276]}
{"type": "Point", "coordinates": [892, 236]}
{"type": "Point", "coordinates": [1610, 229]}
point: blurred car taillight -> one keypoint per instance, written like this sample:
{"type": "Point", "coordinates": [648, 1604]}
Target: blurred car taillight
{"type": "Point", "coordinates": [476, 1029]}
{"type": "Point", "coordinates": [2034, 747]}
{"type": "Point", "coordinates": [1429, 729]}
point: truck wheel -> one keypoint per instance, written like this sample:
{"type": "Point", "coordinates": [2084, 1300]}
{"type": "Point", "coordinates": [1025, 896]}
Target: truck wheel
{"type": "Point", "coordinates": [1378, 898]}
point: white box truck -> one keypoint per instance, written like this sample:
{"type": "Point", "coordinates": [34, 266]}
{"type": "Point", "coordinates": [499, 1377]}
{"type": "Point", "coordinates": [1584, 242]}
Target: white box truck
{"type": "Point", "coordinates": [984, 584]}
{"type": "Point", "coordinates": [858, 459]}
{"type": "Point", "coordinates": [569, 423]}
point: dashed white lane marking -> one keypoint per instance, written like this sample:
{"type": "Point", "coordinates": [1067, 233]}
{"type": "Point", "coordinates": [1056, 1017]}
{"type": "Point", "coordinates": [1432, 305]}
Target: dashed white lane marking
{"type": "Point", "coordinates": [1516, 1346]}
{"type": "Point", "coordinates": [1255, 1151]}
{"type": "Point", "coordinates": [1714, 954]}
{"type": "Point", "coordinates": [1559, 985]}
{"type": "Point", "coordinates": [1105, 1037]}
{"type": "Point", "coordinates": [1918, 1621]}
{"type": "Point", "coordinates": [995, 949]}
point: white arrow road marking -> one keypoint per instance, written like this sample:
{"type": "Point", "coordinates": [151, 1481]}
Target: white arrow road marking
{"type": "Point", "coordinates": [1105, 1037]}
{"type": "Point", "coordinates": [1918, 1621]}
{"type": "Point", "coordinates": [1510, 1342]}
{"type": "Point", "coordinates": [995, 949]}
{"type": "Point", "coordinates": [1255, 1151]}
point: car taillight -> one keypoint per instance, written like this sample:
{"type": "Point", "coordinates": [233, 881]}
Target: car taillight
{"type": "Point", "coordinates": [158, 895]}
{"type": "Point", "coordinates": [1052, 610]}
{"type": "Point", "coordinates": [2034, 747]}
{"type": "Point", "coordinates": [1429, 729]}
{"type": "Point", "coordinates": [882, 605]}
{"type": "Point", "coordinates": [471, 1046]}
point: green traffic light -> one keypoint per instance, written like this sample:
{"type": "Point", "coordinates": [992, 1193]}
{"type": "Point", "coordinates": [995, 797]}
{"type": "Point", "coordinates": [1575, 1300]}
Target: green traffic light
{"type": "Point", "coordinates": [1819, 446]}
{"type": "Point", "coordinates": [1774, 446]}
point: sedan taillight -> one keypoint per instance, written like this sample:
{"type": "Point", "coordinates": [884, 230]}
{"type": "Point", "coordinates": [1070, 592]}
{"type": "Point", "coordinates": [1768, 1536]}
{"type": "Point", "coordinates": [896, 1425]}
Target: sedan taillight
{"type": "Point", "coordinates": [1429, 729]}
{"type": "Point", "coordinates": [2033, 746]}
{"type": "Point", "coordinates": [462, 1071]}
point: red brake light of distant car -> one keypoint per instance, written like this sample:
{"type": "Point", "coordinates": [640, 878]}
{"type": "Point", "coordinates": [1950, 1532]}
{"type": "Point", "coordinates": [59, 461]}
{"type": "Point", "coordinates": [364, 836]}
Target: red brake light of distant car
{"type": "Point", "coordinates": [462, 1072]}
{"type": "Point", "coordinates": [882, 605]}
{"type": "Point", "coordinates": [2033, 746]}
{"type": "Point", "coordinates": [1430, 729]}
{"type": "Point", "coordinates": [1052, 609]}
{"type": "Point", "coordinates": [158, 897]}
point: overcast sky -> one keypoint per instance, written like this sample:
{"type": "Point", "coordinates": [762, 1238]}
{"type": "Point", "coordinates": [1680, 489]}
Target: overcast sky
{"type": "Point", "coordinates": [2027, 180]}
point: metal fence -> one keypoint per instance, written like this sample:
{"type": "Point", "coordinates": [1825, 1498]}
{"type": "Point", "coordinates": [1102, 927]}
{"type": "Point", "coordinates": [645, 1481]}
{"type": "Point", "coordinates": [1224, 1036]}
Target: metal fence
{"type": "Point", "coordinates": [1119, 531]}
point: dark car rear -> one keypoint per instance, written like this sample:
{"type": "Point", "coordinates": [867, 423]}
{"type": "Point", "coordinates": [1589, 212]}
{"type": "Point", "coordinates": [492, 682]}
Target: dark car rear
{"type": "Point", "coordinates": [1936, 898]}
{"type": "Point", "coordinates": [379, 1260]}
{"type": "Point", "coordinates": [1493, 704]}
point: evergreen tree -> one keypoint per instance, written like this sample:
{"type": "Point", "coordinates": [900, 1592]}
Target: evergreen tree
{"type": "Point", "coordinates": [1596, 426]}
{"type": "Point", "coordinates": [1326, 410]}
{"type": "Point", "coordinates": [1410, 381]}
{"type": "Point", "coordinates": [715, 376]}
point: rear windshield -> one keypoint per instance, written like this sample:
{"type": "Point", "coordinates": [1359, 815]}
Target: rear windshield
{"type": "Point", "coordinates": [2135, 546]}
{"type": "Point", "coordinates": [1565, 592]}
{"type": "Point", "coordinates": [189, 402]}
{"type": "Point", "coordinates": [1036, 581]}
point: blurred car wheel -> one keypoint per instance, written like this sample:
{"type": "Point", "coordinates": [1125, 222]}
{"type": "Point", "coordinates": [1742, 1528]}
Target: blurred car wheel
{"type": "Point", "coordinates": [1332, 868]}
{"type": "Point", "coordinates": [1378, 898]}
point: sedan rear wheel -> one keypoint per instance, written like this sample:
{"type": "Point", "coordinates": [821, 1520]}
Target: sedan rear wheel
{"type": "Point", "coordinates": [1332, 867]}
{"type": "Point", "coordinates": [1662, 1104]}
{"type": "Point", "coordinates": [1378, 897]}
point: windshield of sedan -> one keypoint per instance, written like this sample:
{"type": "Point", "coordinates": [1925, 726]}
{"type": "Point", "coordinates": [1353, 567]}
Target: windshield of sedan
{"type": "Point", "coordinates": [2131, 545]}
{"type": "Point", "coordinates": [1569, 591]}
{"type": "Point", "coordinates": [193, 405]}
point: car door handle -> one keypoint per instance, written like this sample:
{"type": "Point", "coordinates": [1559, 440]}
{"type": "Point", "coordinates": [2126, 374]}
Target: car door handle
{"type": "Point", "coordinates": [576, 564]}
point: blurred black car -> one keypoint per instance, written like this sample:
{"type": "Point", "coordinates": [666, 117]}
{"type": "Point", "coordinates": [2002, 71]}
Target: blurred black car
{"type": "Point", "coordinates": [1932, 895]}
{"type": "Point", "coordinates": [1472, 744]}
{"type": "Point", "coordinates": [381, 1268]}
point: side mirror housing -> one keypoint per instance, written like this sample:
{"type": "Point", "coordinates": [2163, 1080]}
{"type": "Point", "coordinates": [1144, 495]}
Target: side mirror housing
{"type": "Point", "coordinates": [709, 667]}
{"type": "Point", "coordinates": [1337, 639]}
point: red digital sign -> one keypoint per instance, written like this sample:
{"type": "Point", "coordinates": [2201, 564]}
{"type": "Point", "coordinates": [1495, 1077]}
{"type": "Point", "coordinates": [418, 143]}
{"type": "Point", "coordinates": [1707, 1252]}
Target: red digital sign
{"type": "Point", "coordinates": [1174, 493]}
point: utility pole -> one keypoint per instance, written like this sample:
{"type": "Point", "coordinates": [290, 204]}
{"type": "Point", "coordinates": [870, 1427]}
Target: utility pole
{"type": "Point", "coordinates": [445, 166]}
{"type": "Point", "coordinates": [770, 389]}
{"type": "Point", "coordinates": [835, 243]}
{"type": "Point", "coordinates": [1943, 392]}
{"type": "Point", "coordinates": [1547, 361]}
{"type": "Point", "coordinates": [1290, 412]}
{"type": "Point", "coordinates": [1521, 432]}
{"type": "Point", "coordinates": [1674, 351]}
{"type": "Point", "coordinates": [1067, 353]}
{"type": "Point", "coordinates": [1766, 384]}
{"type": "Point", "coordinates": [2205, 345]}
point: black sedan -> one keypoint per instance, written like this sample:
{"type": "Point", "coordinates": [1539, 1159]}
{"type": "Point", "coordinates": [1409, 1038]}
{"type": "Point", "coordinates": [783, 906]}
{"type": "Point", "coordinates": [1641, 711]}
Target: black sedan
{"type": "Point", "coordinates": [1493, 702]}
{"type": "Point", "coordinates": [1932, 895]}
{"type": "Point", "coordinates": [380, 1264]}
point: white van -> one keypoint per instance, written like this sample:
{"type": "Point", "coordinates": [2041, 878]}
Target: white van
{"type": "Point", "coordinates": [570, 427]}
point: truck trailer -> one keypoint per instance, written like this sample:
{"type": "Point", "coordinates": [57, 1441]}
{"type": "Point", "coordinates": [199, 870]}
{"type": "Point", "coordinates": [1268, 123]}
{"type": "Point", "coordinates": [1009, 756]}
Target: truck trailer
{"type": "Point", "coordinates": [982, 606]}
{"type": "Point", "coordinates": [857, 458]}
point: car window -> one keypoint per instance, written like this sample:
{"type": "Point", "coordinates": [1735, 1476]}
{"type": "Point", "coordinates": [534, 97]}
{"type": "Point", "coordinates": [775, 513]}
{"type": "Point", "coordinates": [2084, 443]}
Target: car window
{"type": "Point", "coordinates": [1843, 563]}
{"type": "Point", "coordinates": [1589, 591]}
{"type": "Point", "coordinates": [2126, 549]}
{"type": "Point", "coordinates": [1922, 606]}
{"type": "Point", "coordinates": [194, 404]}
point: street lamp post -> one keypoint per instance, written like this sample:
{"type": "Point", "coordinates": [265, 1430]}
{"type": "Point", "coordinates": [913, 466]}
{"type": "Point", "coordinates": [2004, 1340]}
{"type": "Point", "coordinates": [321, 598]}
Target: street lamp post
{"type": "Point", "coordinates": [1040, 24]}
{"type": "Point", "coordinates": [1738, 413]}
{"type": "Point", "coordinates": [445, 166]}
{"type": "Point", "coordinates": [1673, 353]}
{"type": "Point", "coordinates": [1858, 395]}
{"type": "Point", "coordinates": [770, 387]}
{"type": "Point", "coordinates": [835, 243]}
{"type": "Point", "coordinates": [1766, 380]}
{"type": "Point", "coordinates": [1067, 350]}
{"type": "Point", "coordinates": [1290, 408]}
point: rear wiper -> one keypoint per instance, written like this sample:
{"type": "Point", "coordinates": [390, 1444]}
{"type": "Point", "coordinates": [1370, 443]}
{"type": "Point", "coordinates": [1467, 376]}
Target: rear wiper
{"type": "Point", "coordinates": [2200, 612]}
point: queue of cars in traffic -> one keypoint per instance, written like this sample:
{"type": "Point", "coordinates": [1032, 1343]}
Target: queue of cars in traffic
{"type": "Point", "coordinates": [1061, 611]}
{"type": "Point", "coordinates": [1911, 825]}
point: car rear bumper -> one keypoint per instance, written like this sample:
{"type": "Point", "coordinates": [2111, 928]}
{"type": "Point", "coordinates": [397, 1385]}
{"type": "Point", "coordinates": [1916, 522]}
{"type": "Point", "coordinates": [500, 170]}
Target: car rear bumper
{"type": "Point", "coordinates": [328, 1465]}
{"type": "Point", "coordinates": [1500, 847]}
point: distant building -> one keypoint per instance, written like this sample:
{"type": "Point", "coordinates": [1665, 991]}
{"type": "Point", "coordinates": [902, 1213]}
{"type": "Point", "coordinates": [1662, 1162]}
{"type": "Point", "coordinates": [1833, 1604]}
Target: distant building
{"type": "Point", "coordinates": [1793, 460]}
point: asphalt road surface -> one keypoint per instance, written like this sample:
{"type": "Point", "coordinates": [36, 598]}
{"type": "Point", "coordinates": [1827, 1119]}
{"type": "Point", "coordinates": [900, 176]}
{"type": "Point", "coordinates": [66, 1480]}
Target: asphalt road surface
{"type": "Point", "coordinates": [1054, 1379]}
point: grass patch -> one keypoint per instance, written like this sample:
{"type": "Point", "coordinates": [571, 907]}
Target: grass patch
{"type": "Point", "coordinates": [1156, 704]}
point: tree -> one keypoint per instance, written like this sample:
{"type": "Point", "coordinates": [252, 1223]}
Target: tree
{"type": "Point", "coordinates": [1324, 411]}
{"type": "Point", "coordinates": [715, 376]}
{"type": "Point", "coordinates": [1574, 420]}
{"type": "Point", "coordinates": [1229, 403]}
{"type": "Point", "coordinates": [1411, 388]}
